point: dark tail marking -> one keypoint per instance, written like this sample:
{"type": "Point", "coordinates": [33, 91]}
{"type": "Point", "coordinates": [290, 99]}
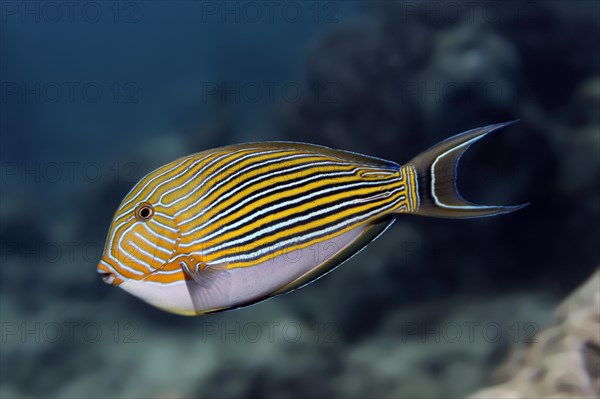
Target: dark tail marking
{"type": "Point", "coordinates": [436, 176]}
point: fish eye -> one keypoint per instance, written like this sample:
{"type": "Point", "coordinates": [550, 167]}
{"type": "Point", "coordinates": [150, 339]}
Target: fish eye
{"type": "Point", "coordinates": [144, 211]}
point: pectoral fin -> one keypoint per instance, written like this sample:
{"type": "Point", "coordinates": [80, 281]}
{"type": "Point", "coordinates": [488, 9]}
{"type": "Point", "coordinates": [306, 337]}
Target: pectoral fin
{"type": "Point", "coordinates": [208, 285]}
{"type": "Point", "coordinates": [204, 274]}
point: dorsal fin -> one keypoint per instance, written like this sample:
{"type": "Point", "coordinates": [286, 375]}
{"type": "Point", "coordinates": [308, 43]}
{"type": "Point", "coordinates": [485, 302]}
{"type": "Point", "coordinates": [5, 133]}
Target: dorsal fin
{"type": "Point", "coordinates": [317, 149]}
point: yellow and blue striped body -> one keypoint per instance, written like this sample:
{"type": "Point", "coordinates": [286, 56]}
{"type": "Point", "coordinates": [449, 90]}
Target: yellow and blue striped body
{"type": "Point", "coordinates": [233, 225]}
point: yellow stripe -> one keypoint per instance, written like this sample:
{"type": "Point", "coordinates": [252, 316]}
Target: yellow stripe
{"type": "Point", "coordinates": [297, 210]}
{"type": "Point", "coordinates": [238, 196]}
{"type": "Point", "coordinates": [299, 246]}
{"type": "Point", "coordinates": [383, 179]}
{"type": "Point", "coordinates": [261, 203]}
{"type": "Point", "coordinates": [211, 177]}
{"type": "Point", "coordinates": [412, 187]}
{"type": "Point", "coordinates": [272, 239]}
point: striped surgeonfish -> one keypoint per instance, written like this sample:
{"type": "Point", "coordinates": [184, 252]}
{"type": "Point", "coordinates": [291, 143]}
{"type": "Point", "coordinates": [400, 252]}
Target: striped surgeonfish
{"type": "Point", "coordinates": [232, 226]}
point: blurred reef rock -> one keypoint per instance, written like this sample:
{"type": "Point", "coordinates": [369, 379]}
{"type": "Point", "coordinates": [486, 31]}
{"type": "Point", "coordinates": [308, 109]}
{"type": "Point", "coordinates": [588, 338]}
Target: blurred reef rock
{"type": "Point", "coordinates": [565, 359]}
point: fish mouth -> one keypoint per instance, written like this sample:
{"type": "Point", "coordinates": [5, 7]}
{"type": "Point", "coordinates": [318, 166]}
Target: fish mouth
{"type": "Point", "coordinates": [108, 276]}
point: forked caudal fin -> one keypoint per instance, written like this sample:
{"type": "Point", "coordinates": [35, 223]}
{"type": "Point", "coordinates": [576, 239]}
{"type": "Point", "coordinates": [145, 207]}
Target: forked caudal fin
{"type": "Point", "coordinates": [436, 176]}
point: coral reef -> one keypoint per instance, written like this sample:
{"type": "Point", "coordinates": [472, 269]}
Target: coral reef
{"type": "Point", "coordinates": [564, 360]}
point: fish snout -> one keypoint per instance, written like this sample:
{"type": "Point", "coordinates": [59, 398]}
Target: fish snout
{"type": "Point", "coordinates": [108, 276]}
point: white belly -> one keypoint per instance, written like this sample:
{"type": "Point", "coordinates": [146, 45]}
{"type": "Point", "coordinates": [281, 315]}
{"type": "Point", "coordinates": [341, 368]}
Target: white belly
{"type": "Point", "coordinates": [240, 286]}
